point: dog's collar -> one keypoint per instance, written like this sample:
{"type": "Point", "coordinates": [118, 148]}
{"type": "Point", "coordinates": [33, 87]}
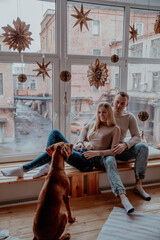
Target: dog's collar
{"type": "Point", "coordinates": [56, 168]}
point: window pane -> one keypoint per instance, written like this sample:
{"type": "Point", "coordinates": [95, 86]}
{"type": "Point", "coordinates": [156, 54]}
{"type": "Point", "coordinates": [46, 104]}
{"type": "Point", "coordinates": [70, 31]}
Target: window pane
{"type": "Point", "coordinates": [1, 84]}
{"type": "Point", "coordinates": [147, 44]}
{"type": "Point", "coordinates": [41, 17]}
{"type": "Point", "coordinates": [25, 110]}
{"type": "Point", "coordinates": [105, 31]}
{"type": "Point", "coordinates": [85, 98]}
{"type": "Point", "coordinates": [144, 91]}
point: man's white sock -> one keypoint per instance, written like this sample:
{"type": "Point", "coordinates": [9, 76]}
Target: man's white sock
{"type": "Point", "coordinates": [140, 191]}
{"type": "Point", "coordinates": [127, 205]}
{"type": "Point", "coordinates": [18, 172]}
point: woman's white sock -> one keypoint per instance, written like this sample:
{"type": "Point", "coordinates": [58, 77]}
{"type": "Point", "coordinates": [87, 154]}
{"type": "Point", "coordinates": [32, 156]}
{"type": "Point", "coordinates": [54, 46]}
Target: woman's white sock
{"type": "Point", "coordinates": [42, 171]}
{"type": "Point", "coordinates": [127, 205]}
{"type": "Point", "coordinates": [18, 172]}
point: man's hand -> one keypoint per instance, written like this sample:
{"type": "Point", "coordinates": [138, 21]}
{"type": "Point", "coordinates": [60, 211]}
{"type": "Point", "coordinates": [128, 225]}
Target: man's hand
{"type": "Point", "coordinates": [119, 148]}
{"type": "Point", "coordinates": [79, 146]}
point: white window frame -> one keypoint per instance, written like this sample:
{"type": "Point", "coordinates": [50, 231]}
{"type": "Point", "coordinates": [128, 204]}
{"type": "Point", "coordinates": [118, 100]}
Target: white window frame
{"type": "Point", "coordinates": [61, 112]}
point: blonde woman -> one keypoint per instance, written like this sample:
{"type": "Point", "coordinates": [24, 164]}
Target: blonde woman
{"type": "Point", "coordinates": [94, 148]}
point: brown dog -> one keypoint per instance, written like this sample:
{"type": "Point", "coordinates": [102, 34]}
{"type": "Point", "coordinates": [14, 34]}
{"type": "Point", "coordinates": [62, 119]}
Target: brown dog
{"type": "Point", "coordinates": [49, 222]}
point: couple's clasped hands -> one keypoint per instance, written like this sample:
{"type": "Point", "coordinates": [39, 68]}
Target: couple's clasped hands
{"type": "Point", "coordinates": [88, 154]}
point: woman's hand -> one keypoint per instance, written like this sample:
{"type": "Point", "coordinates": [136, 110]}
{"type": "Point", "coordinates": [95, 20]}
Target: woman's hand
{"type": "Point", "coordinates": [88, 145]}
{"type": "Point", "coordinates": [90, 154]}
{"type": "Point", "coordinates": [79, 146]}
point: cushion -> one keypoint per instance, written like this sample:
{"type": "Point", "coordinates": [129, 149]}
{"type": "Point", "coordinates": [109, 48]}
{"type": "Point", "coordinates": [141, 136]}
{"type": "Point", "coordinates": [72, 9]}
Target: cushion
{"type": "Point", "coordinates": [153, 153]}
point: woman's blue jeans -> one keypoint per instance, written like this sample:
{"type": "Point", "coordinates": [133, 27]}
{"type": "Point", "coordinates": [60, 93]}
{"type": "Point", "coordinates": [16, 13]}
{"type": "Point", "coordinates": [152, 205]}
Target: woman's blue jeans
{"type": "Point", "coordinates": [76, 159]}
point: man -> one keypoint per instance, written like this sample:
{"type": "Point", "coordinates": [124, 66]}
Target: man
{"type": "Point", "coordinates": [132, 148]}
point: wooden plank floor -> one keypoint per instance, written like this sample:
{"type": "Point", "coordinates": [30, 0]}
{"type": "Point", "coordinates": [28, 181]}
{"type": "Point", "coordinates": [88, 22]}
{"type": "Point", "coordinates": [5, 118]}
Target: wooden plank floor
{"type": "Point", "coordinates": [91, 213]}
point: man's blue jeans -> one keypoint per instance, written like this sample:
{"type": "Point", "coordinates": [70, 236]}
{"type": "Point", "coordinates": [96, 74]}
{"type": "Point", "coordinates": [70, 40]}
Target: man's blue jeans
{"type": "Point", "coordinates": [139, 152]}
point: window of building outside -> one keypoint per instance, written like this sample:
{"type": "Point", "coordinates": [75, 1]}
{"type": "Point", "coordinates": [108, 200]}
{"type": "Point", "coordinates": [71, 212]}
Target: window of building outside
{"type": "Point", "coordinates": [155, 48]}
{"type": "Point", "coordinates": [156, 81]}
{"type": "Point", "coordinates": [97, 52]}
{"type": "Point", "coordinates": [136, 79]}
{"type": "Point", "coordinates": [139, 27]}
{"type": "Point", "coordinates": [20, 86]}
{"type": "Point", "coordinates": [96, 27]}
{"type": "Point", "coordinates": [117, 83]}
{"type": "Point", "coordinates": [1, 84]}
{"type": "Point", "coordinates": [33, 84]}
{"type": "Point", "coordinates": [136, 50]}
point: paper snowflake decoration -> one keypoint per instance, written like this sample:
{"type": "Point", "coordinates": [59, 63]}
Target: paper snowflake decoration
{"type": "Point", "coordinates": [18, 37]}
{"type": "Point", "coordinates": [43, 69]}
{"type": "Point", "coordinates": [81, 17]}
{"type": "Point", "coordinates": [97, 74]}
{"type": "Point", "coordinates": [157, 25]}
{"type": "Point", "coordinates": [134, 33]}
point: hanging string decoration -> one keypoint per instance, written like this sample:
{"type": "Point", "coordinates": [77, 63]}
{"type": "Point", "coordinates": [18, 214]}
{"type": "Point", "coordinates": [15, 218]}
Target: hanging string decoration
{"type": "Point", "coordinates": [134, 33]}
{"type": "Point", "coordinates": [65, 76]}
{"type": "Point", "coordinates": [97, 74]}
{"type": "Point", "coordinates": [81, 17]}
{"type": "Point", "coordinates": [18, 37]}
{"type": "Point", "coordinates": [22, 78]}
{"type": "Point", "coordinates": [43, 69]}
{"type": "Point", "coordinates": [114, 58]}
{"type": "Point", "coordinates": [143, 116]}
{"type": "Point", "coordinates": [157, 25]}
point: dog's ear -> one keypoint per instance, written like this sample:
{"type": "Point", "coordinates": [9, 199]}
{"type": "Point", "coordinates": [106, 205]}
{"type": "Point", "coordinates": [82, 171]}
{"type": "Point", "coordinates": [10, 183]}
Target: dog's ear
{"type": "Point", "coordinates": [50, 149]}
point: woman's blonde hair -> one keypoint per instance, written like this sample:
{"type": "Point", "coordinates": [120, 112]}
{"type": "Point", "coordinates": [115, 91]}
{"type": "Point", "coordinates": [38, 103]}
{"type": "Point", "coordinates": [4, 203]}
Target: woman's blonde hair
{"type": "Point", "coordinates": [110, 119]}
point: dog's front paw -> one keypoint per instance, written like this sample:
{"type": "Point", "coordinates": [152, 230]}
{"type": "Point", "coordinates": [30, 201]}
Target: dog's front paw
{"type": "Point", "coordinates": [71, 219]}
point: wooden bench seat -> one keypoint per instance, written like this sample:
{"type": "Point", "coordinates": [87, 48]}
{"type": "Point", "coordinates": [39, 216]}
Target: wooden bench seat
{"type": "Point", "coordinates": [81, 183]}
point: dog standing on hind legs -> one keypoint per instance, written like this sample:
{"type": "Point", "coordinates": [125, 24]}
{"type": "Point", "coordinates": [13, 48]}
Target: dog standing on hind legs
{"type": "Point", "coordinates": [49, 221]}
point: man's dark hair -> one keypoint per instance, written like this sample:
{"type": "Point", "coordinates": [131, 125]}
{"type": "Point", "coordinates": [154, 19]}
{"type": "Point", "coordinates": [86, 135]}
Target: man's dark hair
{"type": "Point", "coordinates": [123, 94]}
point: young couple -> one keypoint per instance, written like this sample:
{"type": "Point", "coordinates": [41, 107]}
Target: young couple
{"type": "Point", "coordinates": [100, 144]}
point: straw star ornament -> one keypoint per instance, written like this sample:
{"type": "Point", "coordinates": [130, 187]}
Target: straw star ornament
{"type": "Point", "coordinates": [18, 37]}
{"type": "Point", "coordinates": [43, 69]}
{"type": "Point", "coordinates": [97, 74]}
{"type": "Point", "coordinates": [81, 17]}
{"type": "Point", "coordinates": [134, 33]}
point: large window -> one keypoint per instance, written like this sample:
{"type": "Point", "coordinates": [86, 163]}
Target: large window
{"type": "Point", "coordinates": [59, 41]}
